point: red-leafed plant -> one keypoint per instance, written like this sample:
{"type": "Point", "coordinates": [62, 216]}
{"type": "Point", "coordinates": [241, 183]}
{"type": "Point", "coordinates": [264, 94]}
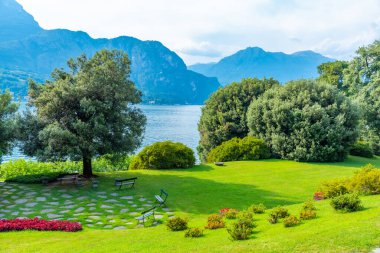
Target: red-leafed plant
{"type": "Point", "coordinates": [40, 225]}
{"type": "Point", "coordinates": [318, 196]}
{"type": "Point", "coordinates": [224, 210]}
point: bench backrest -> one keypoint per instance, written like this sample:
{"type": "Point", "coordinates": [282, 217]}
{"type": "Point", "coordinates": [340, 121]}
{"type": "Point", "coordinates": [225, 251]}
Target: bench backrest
{"type": "Point", "coordinates": [126, 179]}
{"type": "Point", "coordinates": [150, 209]}
{"type": "Point", "coordinates": [164, 193]}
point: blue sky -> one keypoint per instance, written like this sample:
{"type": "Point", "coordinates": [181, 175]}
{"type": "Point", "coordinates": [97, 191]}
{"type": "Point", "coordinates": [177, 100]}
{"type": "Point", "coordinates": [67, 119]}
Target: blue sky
{"type": "Point", "coordinates": [207, 30]}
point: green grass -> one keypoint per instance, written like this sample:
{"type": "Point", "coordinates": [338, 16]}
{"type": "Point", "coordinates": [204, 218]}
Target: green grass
{"type": "Point", "coordinates": [204, 189]}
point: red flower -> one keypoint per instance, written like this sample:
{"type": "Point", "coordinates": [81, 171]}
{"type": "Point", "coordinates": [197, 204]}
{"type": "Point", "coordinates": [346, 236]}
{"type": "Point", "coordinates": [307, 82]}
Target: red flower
{"type": "Point", "coordinates": [224, 210]}
{"type": "Point", "coordinates": [318, 196]}
{"type": "Point", "coordinates": [40, 225]}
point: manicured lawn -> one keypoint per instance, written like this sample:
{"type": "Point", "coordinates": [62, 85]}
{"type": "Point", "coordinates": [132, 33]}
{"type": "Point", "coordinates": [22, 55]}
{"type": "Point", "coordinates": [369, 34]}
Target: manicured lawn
{"type": "Point", "coordinates": [205, 189]}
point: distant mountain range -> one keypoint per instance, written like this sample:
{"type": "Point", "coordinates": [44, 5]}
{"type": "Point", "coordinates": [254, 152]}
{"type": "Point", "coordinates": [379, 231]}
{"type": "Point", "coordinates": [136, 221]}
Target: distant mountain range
{"type": "Point", "coordinates": [255, 62]}
{"type": "Point", "coordinates": [28, 51]}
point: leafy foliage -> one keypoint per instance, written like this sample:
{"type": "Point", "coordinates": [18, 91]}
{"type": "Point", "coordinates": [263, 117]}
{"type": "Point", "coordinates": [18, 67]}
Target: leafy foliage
{"type": "Point", "coordinates": [333, 73]}
{"type": "Point", "coordinates": [347, 203]}
{"type": "Point", "coordinates": [248, 148]}
{"type": "Point", "coordinates": [278, 213]}
{"type": "Point", "coordinates": [7, 111]}
{"type": "Point", "coordinates": [260, 208]}
{"type": "Point", "coordinates": [334, 187]}
{"type": "Point", "coordinates": [366, 181]}
{"type": "Point", "coordinates": [362, 149]}
{"type": "Point", "coordinates": [194, 232]}
{"type": "Point", "coordinates": [164, 155]}
{"type": "Point", "coordinates": [224, 113]}
{"type": "Point", "coordinates": [176, 224]}
{"type": "Point", "coordinates": [305, 121]}
{"type": "Point", "coordinates": [231, 214]}
{"type": "Point", "coordinates": [308, 211]}
{"type": "Point", "coordinates": [242, 228]}
{"type": "Point", "coordinates": [215, 221]}
{"type": "Point", "coordinates": [30, 172]}
{"type": "Point", "coordinates": [291, 221]}
{"type": "Point", "coordinates": [87, 111]}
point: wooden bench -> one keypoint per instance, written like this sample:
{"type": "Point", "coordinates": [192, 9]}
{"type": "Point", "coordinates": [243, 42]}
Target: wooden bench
{"type": "Point", "coordinates": [161, 199]}
{"type": "Point", "coordinates": [70, 179]}
{"type": "Point", "coordinates": [146, 214]}
{"type": "Point", "coordinates": [126, 182]}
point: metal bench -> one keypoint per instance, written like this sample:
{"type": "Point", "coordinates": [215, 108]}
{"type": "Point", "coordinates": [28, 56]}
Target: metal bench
{"type": "Point", "coordinates": [161, 199]}
{"type": "Point", "coordinates": [126, 182]}
{"type": "Point", "coordinates": [146, 214]}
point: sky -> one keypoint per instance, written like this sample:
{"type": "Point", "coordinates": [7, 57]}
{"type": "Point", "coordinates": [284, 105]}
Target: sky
{"type": "Point", "coordinates": [203, 31]}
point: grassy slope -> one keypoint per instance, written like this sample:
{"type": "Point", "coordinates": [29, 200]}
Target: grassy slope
{"type": "Point", "coordinates": [204, 189]}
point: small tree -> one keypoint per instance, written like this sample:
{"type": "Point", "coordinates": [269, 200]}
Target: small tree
{"type": "Point", "coordinates": [7, 111]}
{"type": "Point", "coordinates": [224, 114]}
{"type": "Point", "coordinates": [86, 111]}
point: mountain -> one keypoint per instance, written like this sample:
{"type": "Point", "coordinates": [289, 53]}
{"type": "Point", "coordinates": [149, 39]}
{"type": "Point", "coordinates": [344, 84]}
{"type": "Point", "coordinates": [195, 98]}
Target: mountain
{"type": "Point", "coordinates": [28, 51]}
{"type": "Point", "coordinates": [255, 62]}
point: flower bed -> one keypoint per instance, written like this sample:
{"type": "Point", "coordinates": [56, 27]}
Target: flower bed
{"type": "Point", "coordinates": [40, 225]}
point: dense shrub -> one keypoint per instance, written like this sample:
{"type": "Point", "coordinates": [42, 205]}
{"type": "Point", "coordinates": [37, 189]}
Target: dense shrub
{"type": "Point", "coordinates": [214, 221]}
{"type": "Point", "coordinates": [164, 155]}
{"type": "Point", "coordinates": [362, 149]}
{"type": "Point", "coordinates": [346, 203]}
{"type": "Point", "coordinates": [176, 224]}
{"type": "Point", "coordinates": [194, 232]}
{"type": "Point", "coordinates": [248, 148]}
{"type": "Point", "coordinates": [308, 211]}
{"type": "Point", "coordinates": [366, 181]}
{"type": "Point", "coordinates": [308, 214]}
{"type": "Point", "coordinates": [335, 187]}
{"type": "Point", "coordinates": [309, 205]}
{"type": "Point", "coordinates": [41, 225]}
{"type": "Point", "coordinates": [242, 228]}
{"type": "Point", "coordinates": [291, 221]}
{"type": "Point", "coordinates": [305, 121]}
{"type": "Point", "coordinates": [260, 208]}
{"type": "Point", "coordinates": [246, 217]}
{"type": "Point", "coordinates": [26, 171]}
{"type": "Point", "coordinates": [224, 113]}
{"type": "Point", "coordinates": [278, 213]}
{"type": "Point", "coordinates": [231, 213]}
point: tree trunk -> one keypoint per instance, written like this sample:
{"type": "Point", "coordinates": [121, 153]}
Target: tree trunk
{"type": "Point", "coordinates": [87, 166]}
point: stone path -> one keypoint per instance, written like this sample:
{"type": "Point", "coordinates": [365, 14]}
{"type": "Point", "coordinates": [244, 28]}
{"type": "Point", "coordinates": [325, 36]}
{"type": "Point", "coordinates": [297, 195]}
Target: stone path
{"type": "Point", "coordinates": [95, 209]}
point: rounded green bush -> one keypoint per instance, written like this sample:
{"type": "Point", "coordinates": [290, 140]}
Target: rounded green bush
{"type": "Point", "coordinates": [176, 224]}
{"type": "Point", "coordinates": [248, 148]}
{"type": "Point", "coordinates": [347, 203]}
{"type": "Point", "coordinates": [305, 121]}
{"type": "Point", "coordinates": [164, 155]}
{"type": "Point", "coordinates": [362, 149]}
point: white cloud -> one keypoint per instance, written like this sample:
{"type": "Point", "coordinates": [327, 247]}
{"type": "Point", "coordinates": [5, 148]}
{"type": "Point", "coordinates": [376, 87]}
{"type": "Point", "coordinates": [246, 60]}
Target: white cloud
{"type": "Point", "coordinates": [202, 31]}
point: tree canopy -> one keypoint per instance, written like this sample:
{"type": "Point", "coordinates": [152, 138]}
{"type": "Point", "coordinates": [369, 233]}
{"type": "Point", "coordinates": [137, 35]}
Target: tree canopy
{"type": "Point", "coordinates": [224, 113]}
{"type": "Point", "coordinates": [305, 121]}
{"type": "Point", "coordinates": [333, 73]}
{"type": "Point", "coordinates": [85, 112]}
{"type": "Point", "coordinates": [7, 113]}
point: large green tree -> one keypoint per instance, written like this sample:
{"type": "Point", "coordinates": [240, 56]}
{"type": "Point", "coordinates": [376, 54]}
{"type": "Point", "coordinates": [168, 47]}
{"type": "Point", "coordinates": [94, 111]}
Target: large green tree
{"type": "Point", "coordinates": [363, 69]}
{"type": "Point", "coordinates": [305, 121]}
{"type": "Point", "coordinates": [86, 111]}
{"type": "Point", "coordinates": [224, 113]}
{"type": "Point", "coordinates": [333, 73]}
{"type": "Point", "coordinates": [7, 113]}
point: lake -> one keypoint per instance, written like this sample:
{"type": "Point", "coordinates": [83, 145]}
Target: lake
{"type": "Point", "coordinates": [176, 123]}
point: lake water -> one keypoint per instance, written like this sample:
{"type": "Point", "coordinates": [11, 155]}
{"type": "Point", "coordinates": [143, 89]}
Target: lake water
{"type": "Point", "coordinates": [176, 123]}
